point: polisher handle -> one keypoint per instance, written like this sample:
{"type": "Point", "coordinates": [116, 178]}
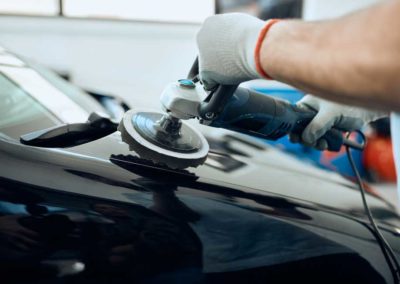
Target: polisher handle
{"type": "Point", "coordinates": [263, 116]}
{"type": "Point", "coordinates": [216, 100]}
{"type": "Point", "coordinates": [194, 70]}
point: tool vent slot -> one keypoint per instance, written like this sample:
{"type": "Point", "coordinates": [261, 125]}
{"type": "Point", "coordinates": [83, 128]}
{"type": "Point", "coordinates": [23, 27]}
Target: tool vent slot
{"type": "Point", "coordinates": [250, 124]}
{"type": "Point", "coordinates": [282, 130]}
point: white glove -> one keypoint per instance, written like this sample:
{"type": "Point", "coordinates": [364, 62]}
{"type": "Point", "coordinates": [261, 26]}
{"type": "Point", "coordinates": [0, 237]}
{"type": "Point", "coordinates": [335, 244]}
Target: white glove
{"type": "Point", "coordinates": [226, 49]}
{"type": "Point", "coordinates": [329, 115]}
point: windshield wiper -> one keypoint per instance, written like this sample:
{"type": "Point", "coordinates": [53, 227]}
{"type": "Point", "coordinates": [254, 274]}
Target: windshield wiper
{"type": "Point", "coordinates": [68, 135]}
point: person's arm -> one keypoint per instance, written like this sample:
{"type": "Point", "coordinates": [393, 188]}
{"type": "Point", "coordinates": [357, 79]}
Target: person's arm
{"type": "Point", "coordinates": [354, 59]}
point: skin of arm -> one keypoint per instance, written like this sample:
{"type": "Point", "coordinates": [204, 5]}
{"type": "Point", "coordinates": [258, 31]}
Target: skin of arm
{"type": "Point", "coordinates": [354, 59]}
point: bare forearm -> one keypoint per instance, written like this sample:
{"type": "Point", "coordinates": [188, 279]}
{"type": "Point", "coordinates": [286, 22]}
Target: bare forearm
{"type": "Point", "coordinates": [353, 59]}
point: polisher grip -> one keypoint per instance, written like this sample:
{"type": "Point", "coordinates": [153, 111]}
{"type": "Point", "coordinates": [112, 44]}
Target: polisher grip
{"type": "Point", "coordinates": [263, 116]}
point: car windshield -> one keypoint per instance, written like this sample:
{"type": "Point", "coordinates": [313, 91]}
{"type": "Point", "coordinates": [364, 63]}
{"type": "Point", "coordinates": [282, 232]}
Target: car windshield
{"type": "Point", "coordinates": [33, 98]}
{"type": "Point", "coordinates": [19, 112]}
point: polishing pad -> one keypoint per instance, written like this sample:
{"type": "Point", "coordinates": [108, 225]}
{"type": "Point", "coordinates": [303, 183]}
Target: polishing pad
{"type": "Point", "coordinates": [140, 130]}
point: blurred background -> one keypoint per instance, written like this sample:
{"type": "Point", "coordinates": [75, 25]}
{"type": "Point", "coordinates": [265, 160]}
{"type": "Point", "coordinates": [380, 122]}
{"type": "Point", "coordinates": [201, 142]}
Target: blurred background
{"type": "Point", "coordinates": [131, 49]}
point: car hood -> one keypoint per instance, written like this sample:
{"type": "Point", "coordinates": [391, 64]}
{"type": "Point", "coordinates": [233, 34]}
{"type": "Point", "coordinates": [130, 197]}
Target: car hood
{"type": "Point", "coordinates": [239, 161]}
{"type": "Point", "coordinates": [248, 205]}
{"type": "Point", "coordinates": [242, 162]}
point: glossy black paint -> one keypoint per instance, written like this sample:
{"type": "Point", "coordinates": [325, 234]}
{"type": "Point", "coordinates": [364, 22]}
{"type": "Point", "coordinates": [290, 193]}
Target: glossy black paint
{"type": "Point", "coordinates": [96, 213]}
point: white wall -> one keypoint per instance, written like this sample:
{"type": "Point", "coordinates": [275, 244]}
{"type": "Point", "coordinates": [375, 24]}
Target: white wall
{"type": "Point", "coordinates": [157, 10]}
{"type": "Point", "coordinates": [323, 9]}
{"type": "Point", "coordinates": [132, 59]}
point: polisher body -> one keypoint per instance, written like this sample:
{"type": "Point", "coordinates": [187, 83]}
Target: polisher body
{"type": "Point", "coordinates": [166, 140]}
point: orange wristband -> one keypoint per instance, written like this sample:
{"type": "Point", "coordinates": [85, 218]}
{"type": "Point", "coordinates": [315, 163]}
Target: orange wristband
{"type": "Point", "coordinates": [260, 40]}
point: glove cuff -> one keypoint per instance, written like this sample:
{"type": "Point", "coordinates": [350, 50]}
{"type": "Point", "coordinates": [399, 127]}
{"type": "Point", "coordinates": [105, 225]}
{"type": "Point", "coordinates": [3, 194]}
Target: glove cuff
{"type": "Point", "coordinates": [257, 50]}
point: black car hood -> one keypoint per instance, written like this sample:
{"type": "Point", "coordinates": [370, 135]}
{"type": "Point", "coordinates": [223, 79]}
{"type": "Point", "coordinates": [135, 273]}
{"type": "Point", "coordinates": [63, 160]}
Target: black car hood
{"type": "Point", "coordinates": [235, 213]}
{"type": "Point", "coordinates": [238, 161]}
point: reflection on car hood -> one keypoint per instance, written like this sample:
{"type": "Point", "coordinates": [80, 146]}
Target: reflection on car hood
{"type": "Point", "coordinates": [100, 211]}
{"type": "Point", "coordinates": [242, 162]}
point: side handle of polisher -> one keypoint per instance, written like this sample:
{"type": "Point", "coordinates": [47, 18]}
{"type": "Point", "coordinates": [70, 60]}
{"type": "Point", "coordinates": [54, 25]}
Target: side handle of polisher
{"type": "Point", "coordinates": [216, 100]}
{"type": "Point", "coordinates": [263, 116]}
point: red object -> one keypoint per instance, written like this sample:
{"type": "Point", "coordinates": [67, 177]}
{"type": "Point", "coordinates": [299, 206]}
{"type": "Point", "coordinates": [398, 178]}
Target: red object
{"type": "Point", "coordinates": [378, 158]}
{"type": "Point", "coordinates": [260, 40]}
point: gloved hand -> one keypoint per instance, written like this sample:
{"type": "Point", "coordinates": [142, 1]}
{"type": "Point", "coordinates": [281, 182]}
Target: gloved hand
{"type": "Point", "coordinates": [342, 117]}
{"type": "Point", "coordinates": [226, 49]}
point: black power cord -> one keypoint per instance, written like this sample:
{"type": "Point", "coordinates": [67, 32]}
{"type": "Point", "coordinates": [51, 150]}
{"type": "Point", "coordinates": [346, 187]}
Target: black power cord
{"type": "Point", "coordinates": [384, 245]}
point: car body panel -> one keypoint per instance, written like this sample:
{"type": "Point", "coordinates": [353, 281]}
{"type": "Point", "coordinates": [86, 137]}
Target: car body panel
{"type": "Point", "coordinates": [97, 213]}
